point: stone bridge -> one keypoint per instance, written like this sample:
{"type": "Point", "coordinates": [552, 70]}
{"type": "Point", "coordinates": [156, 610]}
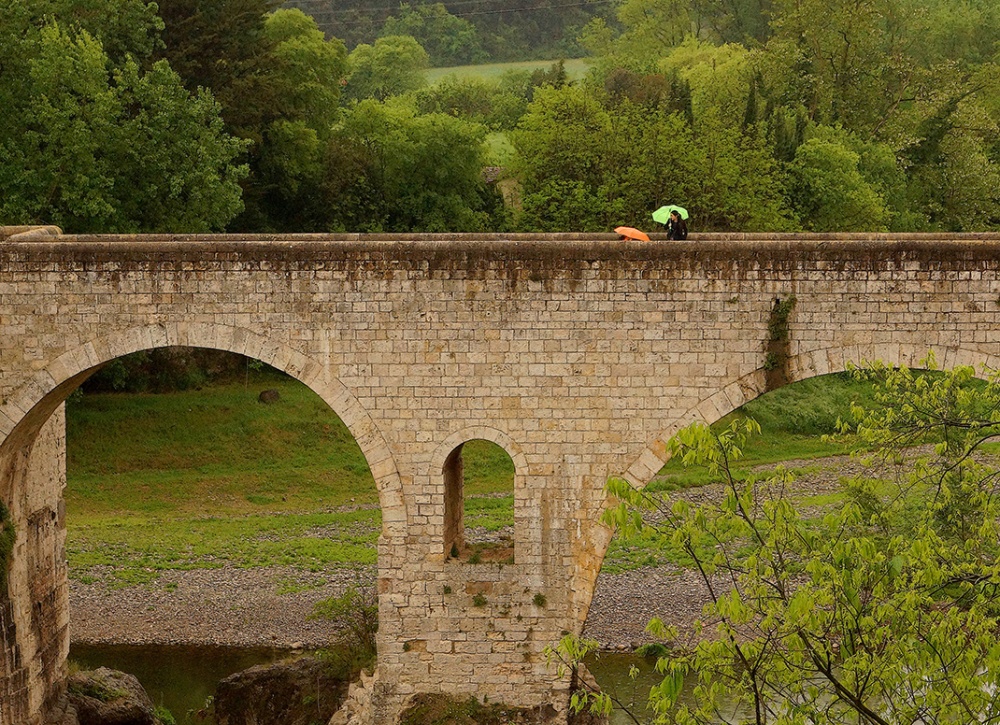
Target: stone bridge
{"type": "Point", "coordinates": [578, 354]}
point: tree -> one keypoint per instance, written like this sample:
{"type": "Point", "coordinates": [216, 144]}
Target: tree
{"type": "Point", "coordinates": [303, 84]}
{"type": "Point", "coordinates": [654, 26]}
{"type": "Point", "coordinates": [221, 45]}
{"type": "Point", "coordinates": [307, 70]}
{"type": "Point", "coordinates": [882, 611]}
{"type": "Point", "coordinates": [448, 39]}
{"type": "Point", "coordinates": [94, 147]}
{"type": "Point", "coordinates": [854, 68]}
{"type": "Point", "coordinates": [393, 65]}
{"type": "Point", "coordinates": [734, 21]}
{"type": "Point", "coordinates": [736, 183]}
{"type": "Point", "coordinates": [719, 77]}
{"type": "Point", "coordinates": [392, 169]}
{"type": "Point", "coordinates": [563, 145]}
{"type": "Point", "coordinates": [124, 28]}
{"type": "Point", "coordinates": [829, 191]}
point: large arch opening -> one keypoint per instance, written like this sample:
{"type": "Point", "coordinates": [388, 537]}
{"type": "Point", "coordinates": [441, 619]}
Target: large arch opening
{"type": "Point", "coordinates": [353, 526]}
{"type": "Point", "coordinates": [794, 420]}
{"type": "Point", "coordinates": [212, 502]}
{"type": "Point", "coordinates": [640, 582]}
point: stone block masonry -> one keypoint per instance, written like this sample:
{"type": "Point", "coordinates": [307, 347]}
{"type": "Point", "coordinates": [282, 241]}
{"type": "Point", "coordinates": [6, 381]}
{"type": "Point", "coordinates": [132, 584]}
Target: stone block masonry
{"type": "Point", "coordinates": [580, 355]}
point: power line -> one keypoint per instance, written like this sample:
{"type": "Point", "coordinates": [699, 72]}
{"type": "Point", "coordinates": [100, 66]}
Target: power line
{"type": "Point", "coordinates": [325, 12]}
{"type": "Point", "coordinates": [388, 6]}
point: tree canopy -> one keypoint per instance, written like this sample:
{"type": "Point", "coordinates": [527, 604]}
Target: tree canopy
{"type": "Point", "coordinates": [885, 117]}
{"type": "Point", "coordinates": [98, 145]}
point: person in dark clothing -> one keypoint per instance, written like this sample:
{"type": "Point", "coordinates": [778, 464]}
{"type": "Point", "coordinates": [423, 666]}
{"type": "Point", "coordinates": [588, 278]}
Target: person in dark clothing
{"type": "Point", "coordinates": [677, 228]}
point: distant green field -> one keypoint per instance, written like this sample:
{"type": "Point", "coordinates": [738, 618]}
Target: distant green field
{"type": "Point", "coordinates": [576, 68]}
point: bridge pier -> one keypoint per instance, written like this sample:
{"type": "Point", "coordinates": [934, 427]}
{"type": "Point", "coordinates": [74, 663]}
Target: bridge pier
{"type": "Point", "coordinates": [34, 598]}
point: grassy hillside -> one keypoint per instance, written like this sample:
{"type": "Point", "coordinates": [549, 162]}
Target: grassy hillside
{"type": "Point", "coordinates": [215, 449]}
{"type": "Point", "coordinates": [793, 422]}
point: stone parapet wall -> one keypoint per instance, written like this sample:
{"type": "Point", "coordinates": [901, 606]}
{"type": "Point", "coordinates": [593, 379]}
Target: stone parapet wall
{"type": "Point", "coordinates": [578, 354]}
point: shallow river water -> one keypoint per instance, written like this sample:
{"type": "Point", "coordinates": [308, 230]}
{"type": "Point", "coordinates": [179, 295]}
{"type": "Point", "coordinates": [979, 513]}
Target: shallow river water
{"type": "Point", "coordinates": [179, 678]}
{"type": "Point", "coordinates": [182, 678]}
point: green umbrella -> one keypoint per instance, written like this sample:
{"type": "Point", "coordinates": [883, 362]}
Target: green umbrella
{"type": "Point", "coordinates": [663, 213]}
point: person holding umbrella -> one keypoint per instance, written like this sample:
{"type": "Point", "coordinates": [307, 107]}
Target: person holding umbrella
{"type": "Point", "coordinates": [673, 217]}
{"type": "Point", "coordinates": [677, 228]}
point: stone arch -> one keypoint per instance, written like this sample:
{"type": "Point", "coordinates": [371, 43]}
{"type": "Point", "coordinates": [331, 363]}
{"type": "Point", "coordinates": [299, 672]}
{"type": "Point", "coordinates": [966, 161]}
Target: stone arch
{"type": "Point", "coordinates": [24, 412]}
{"type": "Point", "coordinates": [32, 683]}
{"type": "Point", "coordinates": [801, 367]}
{"type": "Point", "coordinates": [446, 467]}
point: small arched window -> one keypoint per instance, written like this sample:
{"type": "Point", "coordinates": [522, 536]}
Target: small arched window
{"type": "Point", "coordinates": [479, 503]}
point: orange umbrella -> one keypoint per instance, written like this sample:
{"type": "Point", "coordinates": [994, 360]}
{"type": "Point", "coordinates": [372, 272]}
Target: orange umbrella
{"type": "Point", "coordinates": [630, 233]}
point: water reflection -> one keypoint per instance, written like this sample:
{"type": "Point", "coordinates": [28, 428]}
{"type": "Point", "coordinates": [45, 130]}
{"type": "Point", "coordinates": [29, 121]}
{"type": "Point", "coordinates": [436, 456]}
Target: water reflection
{"type": "Point", "coordinates": [611, 670]}
{"type": "Point", "coordinates": [180, 678]}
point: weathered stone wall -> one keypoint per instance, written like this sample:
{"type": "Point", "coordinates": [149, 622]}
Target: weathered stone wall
{"type": "Point", "coordinates": [34, 606]}
{"type": "Point", "coordinates": [578, 355]}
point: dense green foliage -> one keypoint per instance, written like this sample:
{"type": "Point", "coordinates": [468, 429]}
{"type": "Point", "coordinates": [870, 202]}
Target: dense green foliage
{"type": "Point", "coordinates": [852, 125]}
{"type": "Point", "coordinates": [882, 611]}
{"type": "Point", "coordinates": [460, 31]}
{"type": "Point", "coordinates": [240, 115]}
{"type": "Point", "coordinates": [448, 40]}
{"type": "Point", "coordinates": [96, 136]}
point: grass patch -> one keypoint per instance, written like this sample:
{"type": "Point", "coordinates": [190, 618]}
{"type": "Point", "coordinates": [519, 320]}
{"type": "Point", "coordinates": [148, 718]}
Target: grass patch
{"type": "Point", "coordinates": [793, 422]}
{"type": "Point", "coordinates": [212, 477]}
{"type": "Point", "coordinates": [576, 69]}
{"type": "Point", "coordinates": [647, 548]}
{"type": "Point", "coordinates": [807, 408]}
{"type": "Point", "coordinates": [487, 467]}
{"type": "Point", "coordinates": [138, 549]}
{"type": "Point", "coordinates": [216, 449]}
{"type": "Point", "coordinates": [294, 586]}
{"type": "Point", "coordinates": [491, 513]}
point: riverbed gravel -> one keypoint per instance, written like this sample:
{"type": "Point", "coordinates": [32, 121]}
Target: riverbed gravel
{"type": "Point", "coordinates": [226, 606]}
{"type": "Point", "coordinates": [271, 606]}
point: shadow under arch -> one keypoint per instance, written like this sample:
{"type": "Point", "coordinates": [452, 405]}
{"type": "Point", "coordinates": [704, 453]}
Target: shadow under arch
{"type": "Point", "coordinates": [445, 466]}
{"type": "Point", "coordinates": [25, 412]}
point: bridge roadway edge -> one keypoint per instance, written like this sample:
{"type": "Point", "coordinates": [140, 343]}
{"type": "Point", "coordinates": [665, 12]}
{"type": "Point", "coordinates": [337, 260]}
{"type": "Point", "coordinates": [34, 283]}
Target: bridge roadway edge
{"type": "Point", "coordinates": [584, 353]}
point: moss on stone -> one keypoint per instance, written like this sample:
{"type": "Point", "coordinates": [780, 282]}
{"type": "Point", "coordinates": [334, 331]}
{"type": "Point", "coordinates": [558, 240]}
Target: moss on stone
{"type": "Point", "coordinates": [8, 534]}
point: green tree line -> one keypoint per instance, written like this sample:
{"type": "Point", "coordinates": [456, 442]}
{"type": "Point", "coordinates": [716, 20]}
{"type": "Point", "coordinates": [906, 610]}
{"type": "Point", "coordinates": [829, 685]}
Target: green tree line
{"type": "Point", "coordinates": [463, 31]}
{"type": "Point", "coordinates": [238, 115]}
